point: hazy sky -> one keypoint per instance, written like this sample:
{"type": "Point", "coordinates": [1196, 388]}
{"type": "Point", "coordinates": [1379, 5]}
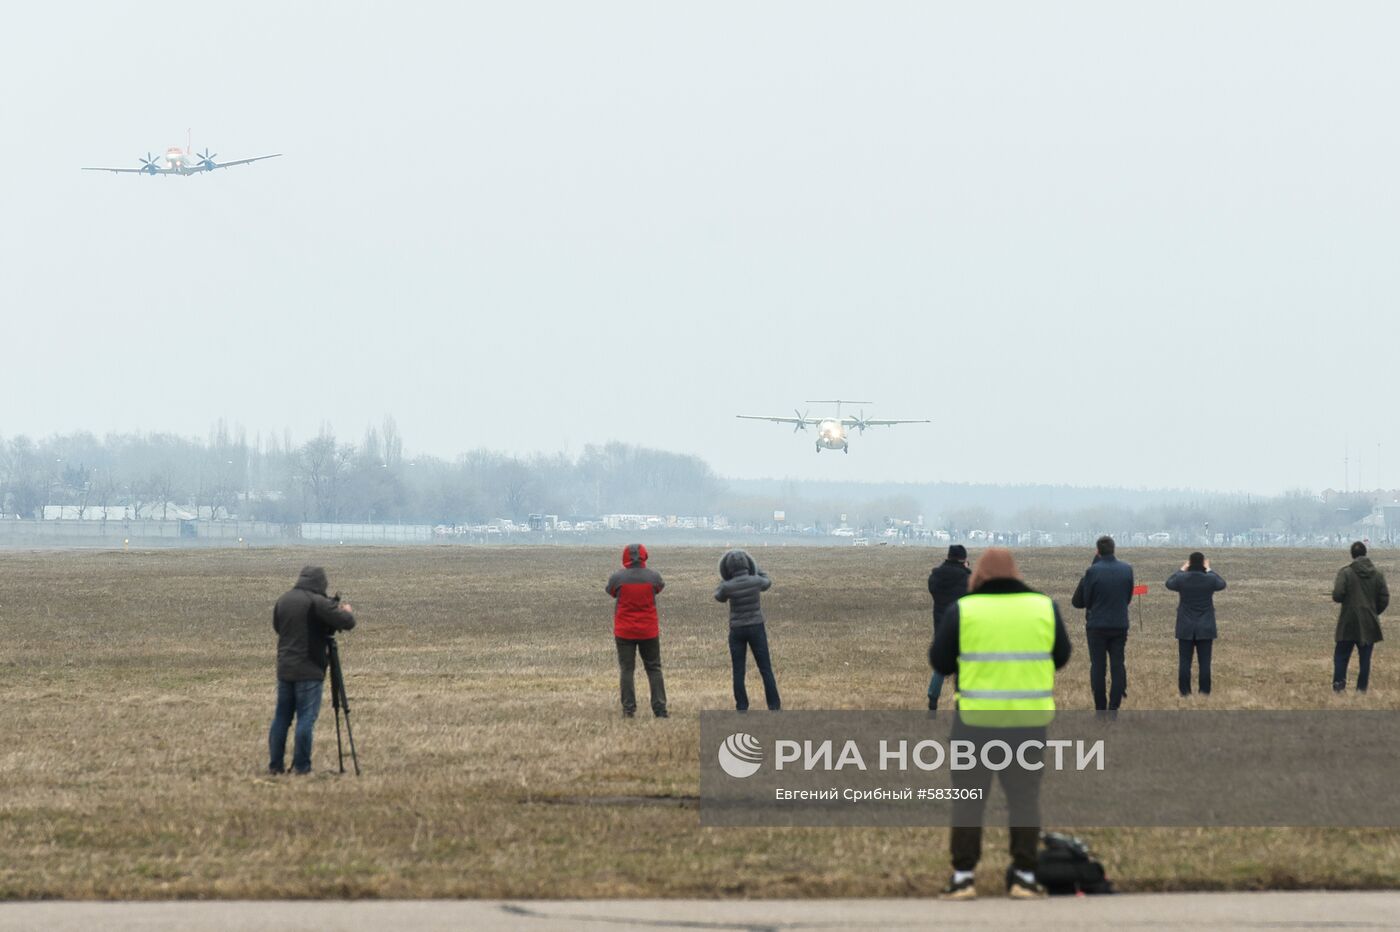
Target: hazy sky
{"type": "Point", "coordinates": [1100, 243]}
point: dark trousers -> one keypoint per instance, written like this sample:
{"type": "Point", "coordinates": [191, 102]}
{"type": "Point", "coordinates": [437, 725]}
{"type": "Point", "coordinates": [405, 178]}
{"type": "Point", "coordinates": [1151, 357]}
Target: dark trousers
{"type": "Point", "coordinates": [1184, 649]}
{"type": "Point", "coordinates": [300, 699]}
{"type": "Point", "coordinates": [650, 649]}
{"type": "Point", "coordinates": [1341, 659]}
{"type": "Point", "coordinates": [1106, 649]}
{"type": "Point", "coordinates": [741, 641]}
{"type": "Point", "coordinates": [1022, 789]}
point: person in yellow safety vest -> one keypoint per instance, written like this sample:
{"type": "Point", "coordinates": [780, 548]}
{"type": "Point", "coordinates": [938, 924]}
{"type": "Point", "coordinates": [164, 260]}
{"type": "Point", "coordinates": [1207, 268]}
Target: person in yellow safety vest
{"type": "Point", "coordinates": [1004, 641]}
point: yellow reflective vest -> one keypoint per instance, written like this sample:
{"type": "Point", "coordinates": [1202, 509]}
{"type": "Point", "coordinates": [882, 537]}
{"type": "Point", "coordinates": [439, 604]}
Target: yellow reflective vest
{"type": "Point", "coordinates": [1006, 666]}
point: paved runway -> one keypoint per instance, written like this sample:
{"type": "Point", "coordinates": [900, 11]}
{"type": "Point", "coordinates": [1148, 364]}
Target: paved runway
{"type": "Point", "coordinates": [1307, 910]}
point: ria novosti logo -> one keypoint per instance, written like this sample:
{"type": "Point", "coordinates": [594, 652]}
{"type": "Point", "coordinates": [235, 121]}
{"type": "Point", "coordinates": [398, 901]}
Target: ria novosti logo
{"type": "Point", "coordinates": [741, 755]}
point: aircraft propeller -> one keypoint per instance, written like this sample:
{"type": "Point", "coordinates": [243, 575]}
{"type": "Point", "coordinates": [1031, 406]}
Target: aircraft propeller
{"type": "Point", "coordinates": [860, 424]}
{"type": "Point", "coordinates": [149, 164]}
{"type": "Point", "coordinates": [801, 421]}
{"type": "Point", "coordinates": [206, 159]}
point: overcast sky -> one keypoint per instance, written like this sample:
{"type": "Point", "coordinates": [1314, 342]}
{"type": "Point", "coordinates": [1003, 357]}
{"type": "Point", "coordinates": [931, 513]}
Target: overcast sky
{"type": "Point", "coordinates": [1098, 243]}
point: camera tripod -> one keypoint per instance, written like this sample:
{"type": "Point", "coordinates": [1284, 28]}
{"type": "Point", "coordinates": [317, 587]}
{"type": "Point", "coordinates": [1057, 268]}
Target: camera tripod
{"type": "Point", "coordinates": [341, 703]}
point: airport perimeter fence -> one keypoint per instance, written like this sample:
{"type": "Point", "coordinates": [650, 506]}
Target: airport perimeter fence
{"type": "Point", "coordinates": [81, 533]}
{"type": "Point", "coordinates": [368, 533]}
{"type": "Point", "coordinates": [155, 533]}
{"type": "Point", "coordinates": [61, 533]}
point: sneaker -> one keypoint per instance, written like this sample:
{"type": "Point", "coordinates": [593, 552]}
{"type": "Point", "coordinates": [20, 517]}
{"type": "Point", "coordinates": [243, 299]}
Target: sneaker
{"type": "Point", "coordinates": [662, 714]}
{"type": "Point", "coordinates": [626, 714]}
{"type": "Point", "coordinates": [1018, 889]}
{"type": "Point", "coordinates": [1023, 891]}
{"type": "Point", "coordinates": [276, 771]}
{"type": "Point", "coordinates": [959, 890]}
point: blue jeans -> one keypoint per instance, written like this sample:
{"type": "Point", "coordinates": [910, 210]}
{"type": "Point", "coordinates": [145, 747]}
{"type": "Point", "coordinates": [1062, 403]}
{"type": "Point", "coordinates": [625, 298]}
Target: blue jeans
{"type": "Point", "coordinates": [755, 638]}
{"type": "Point", "coordinates": [300, 698]}
{"type": "Point", "coordinates": [935, 689]}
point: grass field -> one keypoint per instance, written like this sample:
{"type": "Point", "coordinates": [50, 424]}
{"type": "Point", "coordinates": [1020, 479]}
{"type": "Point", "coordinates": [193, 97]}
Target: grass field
{"type": "Point", "coordinates": [137, 689]}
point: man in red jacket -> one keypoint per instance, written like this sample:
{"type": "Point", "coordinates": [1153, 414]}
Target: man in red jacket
{"type": "Point", "coordinates": [635, 627]}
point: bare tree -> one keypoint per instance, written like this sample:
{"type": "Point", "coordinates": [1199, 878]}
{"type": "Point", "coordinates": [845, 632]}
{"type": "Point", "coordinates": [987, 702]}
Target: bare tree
{"type": "Point", "coordinates": [162, 486]}
{"type": "Point", "coordinates": [323, 465]}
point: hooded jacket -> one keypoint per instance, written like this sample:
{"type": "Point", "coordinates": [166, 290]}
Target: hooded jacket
{"type": "Point", "coordinates": [1361, 591]}
{"type": "Point", "coordinates": [1195, 613]}
{"type": "Point", "coordinates": [1104, 592]}
{"type": "Point", "coordinates": [303, 618]}
{"type": "Point", "coordinates": [947, 583]}
{"type": "Point", "coordinates": [742, 585]}
{"type": "Point", "coordinates": [635, 587]}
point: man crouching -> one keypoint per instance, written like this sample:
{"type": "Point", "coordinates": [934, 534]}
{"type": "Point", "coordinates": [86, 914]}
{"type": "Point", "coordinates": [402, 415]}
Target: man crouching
{"type": "Point", "coordinates": [304, 619]}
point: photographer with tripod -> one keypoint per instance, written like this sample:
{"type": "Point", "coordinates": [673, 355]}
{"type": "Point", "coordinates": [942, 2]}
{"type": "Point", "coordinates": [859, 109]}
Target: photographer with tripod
{"type": "Point", "coordinates": [306, 620]}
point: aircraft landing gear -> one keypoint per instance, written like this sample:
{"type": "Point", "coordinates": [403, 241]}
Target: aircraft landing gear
{"type": "Point", "coordinates": [845, 448]}
{"type": "Point", "coordinates": [819, 446]}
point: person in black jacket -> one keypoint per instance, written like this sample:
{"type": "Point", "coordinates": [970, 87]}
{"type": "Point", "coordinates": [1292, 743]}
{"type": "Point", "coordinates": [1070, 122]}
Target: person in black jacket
{"type": "Point", "coordinates": [1195, 619]}
{"type": "Point", "coordinates": [996, 575]}
{"type": "Point", "coordinates": [304, 618]}
{"type": "Point", "coordinates": [742, 585]}
{"type": "Point", "coordinates": [947, 583]}
{"type": "Point", "coordinates": [1104, 594]}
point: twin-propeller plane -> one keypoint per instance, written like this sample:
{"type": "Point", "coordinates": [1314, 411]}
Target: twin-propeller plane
{"type": "Point", "coordinates": [833, 430]}
{"type": "Point", "coordinates": [177, 161]}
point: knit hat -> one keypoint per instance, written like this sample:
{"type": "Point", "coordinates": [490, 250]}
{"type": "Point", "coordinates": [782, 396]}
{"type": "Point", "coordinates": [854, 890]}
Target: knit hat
{"type": "Point", "coordinates": [957, 552]}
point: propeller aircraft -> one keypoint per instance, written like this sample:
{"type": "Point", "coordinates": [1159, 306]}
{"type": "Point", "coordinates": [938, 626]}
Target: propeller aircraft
{"type": "Point", "coordinates": [833, 431]}
{"type": "Point", "coordinates": [177, 161]}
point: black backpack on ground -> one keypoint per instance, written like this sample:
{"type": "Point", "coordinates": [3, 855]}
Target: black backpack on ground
{"type": "Point", "coordinates": [1066, 867]}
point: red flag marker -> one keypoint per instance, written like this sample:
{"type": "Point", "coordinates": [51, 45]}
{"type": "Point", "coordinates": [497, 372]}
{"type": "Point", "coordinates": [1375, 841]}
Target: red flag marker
{"type": "Point", "coordinates": [1139, 590]}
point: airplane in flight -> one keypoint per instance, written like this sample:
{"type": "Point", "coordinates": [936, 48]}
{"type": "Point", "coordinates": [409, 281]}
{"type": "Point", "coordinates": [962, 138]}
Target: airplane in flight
{"type": "Point", "coordinates": [177, 161]}
{"type": "Point", "coordinates": [833, 431]}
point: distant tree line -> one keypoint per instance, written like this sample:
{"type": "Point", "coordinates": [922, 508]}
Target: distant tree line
{"type": "Point", "coordinates": [270, 477]}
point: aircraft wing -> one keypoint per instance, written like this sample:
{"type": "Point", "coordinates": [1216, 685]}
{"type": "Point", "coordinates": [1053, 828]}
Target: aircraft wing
{"type": "Point", "coordinates": [780, 420]}
{"type": "Point", "coordinates": [257, 158]}
{"type": "Point", "coordinates": [136, 171]}
{"type": "Point", "coordinates": [879, 422]}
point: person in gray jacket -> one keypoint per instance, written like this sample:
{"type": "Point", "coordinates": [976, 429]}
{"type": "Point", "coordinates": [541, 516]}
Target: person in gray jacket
{"type": "Point", "coordinates": [1197, 584]}
{"type": "Point", "coordinates": [742, 584]}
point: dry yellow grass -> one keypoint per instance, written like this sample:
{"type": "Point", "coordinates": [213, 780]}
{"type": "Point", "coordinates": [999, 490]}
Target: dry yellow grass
{"type": "Point", "coordinates": [137, 689]}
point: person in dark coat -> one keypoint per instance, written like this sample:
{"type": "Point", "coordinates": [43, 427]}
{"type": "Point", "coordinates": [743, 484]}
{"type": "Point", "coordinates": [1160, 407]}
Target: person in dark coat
{"type": "Point", "coordinates": [1197, 584]}
{"type": "Point", "coordinates": [1104, 593]}
{"type": "Point", "coordinates": [1361, 591]}
{"type": "Point", "coordinates": [637, 628]}
{"type": "Point", "coordinates": [742, 584]}
{"type": "Point", "coordinates": [304, 619]}
{"type": "Point", "coordinates": [947, 583]}
{"type": "Point", "coordinates": [998, 578]}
